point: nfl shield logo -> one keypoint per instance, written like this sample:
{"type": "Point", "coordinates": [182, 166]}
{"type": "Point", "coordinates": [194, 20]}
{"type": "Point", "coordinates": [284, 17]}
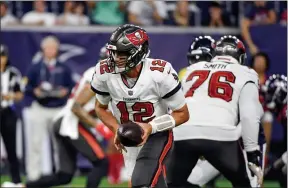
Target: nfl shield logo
{"type": "Point", "coordinates": [130, 93]}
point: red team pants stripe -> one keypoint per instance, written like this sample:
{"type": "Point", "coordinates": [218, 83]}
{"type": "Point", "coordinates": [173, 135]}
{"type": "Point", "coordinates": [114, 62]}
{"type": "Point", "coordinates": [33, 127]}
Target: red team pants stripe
{"type": "Point", "coordinates": [162, 157]}
{"type": "Point", "coordinates": [164, 171]}
{"type": "Point", "coordinates": [92, 142]}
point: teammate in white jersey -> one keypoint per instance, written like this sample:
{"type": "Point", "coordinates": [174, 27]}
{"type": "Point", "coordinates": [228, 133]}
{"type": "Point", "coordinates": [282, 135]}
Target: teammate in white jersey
{"type": "Point", "coordinates": [141, 90]}
{"type": "Point", "coordinates": [204, 173]}
{"type": "Point", "coordinates": [219, 94]}
{"type": "Point", "coordinates": [73, 128]}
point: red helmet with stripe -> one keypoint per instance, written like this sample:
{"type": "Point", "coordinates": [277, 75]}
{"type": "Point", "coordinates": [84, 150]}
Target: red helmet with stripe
{"type": "Point", "coordinates": [128, 41]}
{"type": "Point", "coordinates": [231, 46]}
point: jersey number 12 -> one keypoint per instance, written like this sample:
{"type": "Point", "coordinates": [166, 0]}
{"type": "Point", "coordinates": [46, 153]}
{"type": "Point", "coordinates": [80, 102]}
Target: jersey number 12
{"type": "Point", "coordinates": [140, 110]}
{"type": "Point", "coordinates": [215, 85]}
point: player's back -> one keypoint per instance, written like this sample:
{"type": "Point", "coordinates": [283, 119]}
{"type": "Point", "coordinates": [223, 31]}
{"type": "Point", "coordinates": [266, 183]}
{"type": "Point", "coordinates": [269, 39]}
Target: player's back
{"type": "Point", "coordinates": [212, 91]}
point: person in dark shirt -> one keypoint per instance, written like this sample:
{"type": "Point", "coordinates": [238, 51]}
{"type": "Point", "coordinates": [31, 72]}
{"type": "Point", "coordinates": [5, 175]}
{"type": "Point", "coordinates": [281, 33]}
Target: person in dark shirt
{"type": "Point", "coordinates": [259, 13]}
{"type": "Point", "coordinates": [217, 17]}
{"type": "Point", "coordinates": [49, 84]}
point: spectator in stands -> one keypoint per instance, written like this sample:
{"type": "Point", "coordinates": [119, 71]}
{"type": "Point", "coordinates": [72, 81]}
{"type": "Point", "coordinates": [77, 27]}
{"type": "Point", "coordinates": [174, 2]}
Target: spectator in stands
{"type": "Point", "coordinates": [107, 12]}
{"type": "Point", "coordinates": [73, 14]}
{"type": "Point", "coordinates": [216, 17]}
{"type": "Point", "coordinates": [11, 92]}
{"type": "Point", "coordinates": [181, 14]}
{"type": "Point", "coordinates": [39, 16]}
{"type": "Point", "coordinates": [149, 12]}
{"type": "Point", "coordinates": [260, 62]}
{"type": "Point", "coordinates": [6, 18]}
{"type": "Point", "coordinates": [65, 17]}
{"type": "Point", "coordinates": [49, 83]}
{"type": "Point", "coordinates": [283, 16]}
{"type": "Point", "coordinates": [258, 13]}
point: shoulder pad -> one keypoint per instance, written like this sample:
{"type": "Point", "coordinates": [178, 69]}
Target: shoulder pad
{"type": "Point", "coordinates": [87, 75]}
{"type": "Point", "coordinates": [102, 70]}
{"type": "Point", "coordinates": [251, 74]}
{"type": "Point", "coordinates": [159, 69]}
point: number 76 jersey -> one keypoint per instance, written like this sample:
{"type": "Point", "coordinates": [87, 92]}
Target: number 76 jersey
{"type": "Point", "coordinates": [212, 91]}
{"type": "Point", "coordinates": [156, 90]}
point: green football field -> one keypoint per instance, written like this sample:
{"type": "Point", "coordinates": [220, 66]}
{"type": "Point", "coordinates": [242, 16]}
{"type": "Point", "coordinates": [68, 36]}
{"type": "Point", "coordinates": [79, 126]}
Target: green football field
{"type": "Point", "coordinates": [80, 182]}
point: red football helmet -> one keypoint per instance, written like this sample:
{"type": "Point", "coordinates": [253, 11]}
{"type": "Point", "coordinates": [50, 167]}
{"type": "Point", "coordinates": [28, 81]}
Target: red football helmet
{"type": "Point", "coordinates": [128, 46]}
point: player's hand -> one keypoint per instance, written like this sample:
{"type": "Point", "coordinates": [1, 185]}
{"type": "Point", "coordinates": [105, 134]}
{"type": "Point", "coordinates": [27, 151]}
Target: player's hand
{"type": "Point", "coordinates": [147, 129]}
{"type": "Point", "coordinates": [118, 144]}
{"type": "Point", "coordinates": [254, 165]}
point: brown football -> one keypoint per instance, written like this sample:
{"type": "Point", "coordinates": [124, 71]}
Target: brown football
{"type": "Point", "coordinates": [130, 134]}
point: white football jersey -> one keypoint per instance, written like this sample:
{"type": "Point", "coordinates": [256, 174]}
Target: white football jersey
{"type": "Point", "coordinates": [212, 91]}
{"type": "Point", "coordinates": [69, 123]}
{"type": "Point", "coordinates": [148, 98]}
{"type": "Point", "coordinates": [90, 105]}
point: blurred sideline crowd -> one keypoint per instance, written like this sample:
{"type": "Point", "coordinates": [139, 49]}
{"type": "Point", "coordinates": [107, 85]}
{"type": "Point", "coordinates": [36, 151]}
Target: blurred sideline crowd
{"type": "Point", "coordinates": [213, 14]}
{"type": "Point", "coordinates": [151, 12]}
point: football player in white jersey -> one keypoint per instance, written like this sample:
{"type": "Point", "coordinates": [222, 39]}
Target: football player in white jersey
{"type": "Point", "coordinates": [219, 94]}
{"type": "Point", "coordinates": [140, 90]}
{"type": "Point", "coordinates": [74, 134]}
{"type": "Point", "coordinates": [204, 173]}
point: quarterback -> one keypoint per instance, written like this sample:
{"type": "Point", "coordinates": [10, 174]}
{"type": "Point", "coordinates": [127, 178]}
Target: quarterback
{"type": "Point", "coordinates": [141, 90]}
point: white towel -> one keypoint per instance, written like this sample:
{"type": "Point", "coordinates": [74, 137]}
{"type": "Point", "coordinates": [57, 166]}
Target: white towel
{"type": "Point", "coordinates": [69, 124]}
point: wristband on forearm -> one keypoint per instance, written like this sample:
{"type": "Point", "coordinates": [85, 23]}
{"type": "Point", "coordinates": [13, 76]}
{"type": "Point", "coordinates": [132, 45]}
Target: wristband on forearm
{"type": "Point", "coordinates": [162, 123]}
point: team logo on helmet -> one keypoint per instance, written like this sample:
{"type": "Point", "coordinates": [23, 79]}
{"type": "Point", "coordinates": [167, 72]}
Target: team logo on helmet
{"type": "Point", "coordinates": [138, 37]}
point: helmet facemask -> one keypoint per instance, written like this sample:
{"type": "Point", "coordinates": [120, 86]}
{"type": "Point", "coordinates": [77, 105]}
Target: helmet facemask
{"type": "Point", "coordinates": [124, 61]}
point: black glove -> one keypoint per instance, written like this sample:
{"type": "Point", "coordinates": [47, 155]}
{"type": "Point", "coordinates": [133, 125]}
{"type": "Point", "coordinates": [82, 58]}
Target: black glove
{"type": "Point", "coordinates": [254, 157]}
{"type": "Point", "coordinates": [254, 165]}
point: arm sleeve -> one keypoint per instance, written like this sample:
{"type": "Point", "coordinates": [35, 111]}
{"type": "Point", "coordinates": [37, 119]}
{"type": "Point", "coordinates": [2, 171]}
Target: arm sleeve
{"type": "Point", "coordinates": [100, 88]}
{"type": "Point", "coordinates": [176, 101]}
{"type": "Point", "coordinates": [251, 112]}
{"type": "Point", "coordinates": [170, 90]}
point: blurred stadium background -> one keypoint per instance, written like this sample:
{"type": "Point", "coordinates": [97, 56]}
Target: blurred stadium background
{"type": "Point", "coordinates": [84, 27]}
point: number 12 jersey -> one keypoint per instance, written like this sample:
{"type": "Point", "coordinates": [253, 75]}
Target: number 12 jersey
{"type": "Point", "coordinates": [156, 90]}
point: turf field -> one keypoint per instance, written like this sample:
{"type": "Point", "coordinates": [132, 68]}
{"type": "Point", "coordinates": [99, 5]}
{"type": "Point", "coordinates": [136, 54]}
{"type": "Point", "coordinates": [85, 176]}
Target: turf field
{"type": "Point", "coordinates": [80, 182]}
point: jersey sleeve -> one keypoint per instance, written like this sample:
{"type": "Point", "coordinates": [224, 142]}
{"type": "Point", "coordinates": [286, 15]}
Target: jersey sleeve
{"type": "Point", "coordinates": [99, 86]}
{"type": "Point", "coordinates": [250, 111]}
{"type": "Point", "coordinates": [170, 88]}
{"type": "Point", "coordinates": [88, 74]}
{"type": "Point", "coordinates": [250, 76]}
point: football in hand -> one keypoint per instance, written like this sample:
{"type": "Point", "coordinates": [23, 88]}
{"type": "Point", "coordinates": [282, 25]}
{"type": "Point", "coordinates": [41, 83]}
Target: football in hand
{"type": "Point", "coordinates": [130, 134]}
